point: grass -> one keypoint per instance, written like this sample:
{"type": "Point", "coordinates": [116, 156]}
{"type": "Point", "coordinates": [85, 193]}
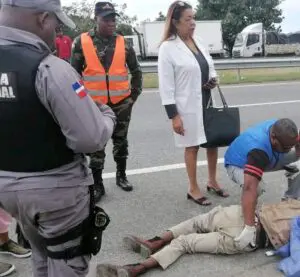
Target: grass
{"type": "Point", "coordinates": [246, 76]}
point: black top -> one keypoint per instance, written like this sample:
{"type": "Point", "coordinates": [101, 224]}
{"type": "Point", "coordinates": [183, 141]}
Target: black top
{"type": "Point", "coordinates": [206, 93]}
{"type": "Point", "coordinates": [203, 66]}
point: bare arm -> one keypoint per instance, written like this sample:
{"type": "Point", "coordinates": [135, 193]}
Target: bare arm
{"type": "Point", "coordinates": [249, 199]}
{"type": "Point", "coordinates": [257, 161]}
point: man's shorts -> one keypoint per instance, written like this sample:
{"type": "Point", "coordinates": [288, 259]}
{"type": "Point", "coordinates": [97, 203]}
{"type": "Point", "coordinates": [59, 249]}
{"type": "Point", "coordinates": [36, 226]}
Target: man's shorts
{"type": "Point", "coordinates": [236, 174]}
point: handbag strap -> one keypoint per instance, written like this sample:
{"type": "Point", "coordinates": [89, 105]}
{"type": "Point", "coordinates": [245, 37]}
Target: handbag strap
{"type": "Point", "coordinates": [222, 97]}
{"type": "Point", "coordinates": [225, 105]}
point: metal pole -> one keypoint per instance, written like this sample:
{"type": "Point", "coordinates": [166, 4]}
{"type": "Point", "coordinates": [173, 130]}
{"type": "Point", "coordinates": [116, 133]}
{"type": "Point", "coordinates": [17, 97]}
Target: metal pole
{"type": "Point", "coordinates": [263, 41]}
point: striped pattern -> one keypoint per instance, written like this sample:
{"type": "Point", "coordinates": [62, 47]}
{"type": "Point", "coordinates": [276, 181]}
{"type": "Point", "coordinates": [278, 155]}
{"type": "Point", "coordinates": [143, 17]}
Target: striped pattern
{"type": "Point", "coordinates": [253, 171]}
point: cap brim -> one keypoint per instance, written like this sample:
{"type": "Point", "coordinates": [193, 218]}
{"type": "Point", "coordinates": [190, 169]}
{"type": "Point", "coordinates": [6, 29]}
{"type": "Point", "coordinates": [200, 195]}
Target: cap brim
{"type": "Point", "coordinates": [107, 13]}
{"type": "Point", "coordinates": [65, 19]}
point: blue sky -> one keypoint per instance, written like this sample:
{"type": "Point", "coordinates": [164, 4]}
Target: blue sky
{"type": "Point", "coordinates": [150, 9]}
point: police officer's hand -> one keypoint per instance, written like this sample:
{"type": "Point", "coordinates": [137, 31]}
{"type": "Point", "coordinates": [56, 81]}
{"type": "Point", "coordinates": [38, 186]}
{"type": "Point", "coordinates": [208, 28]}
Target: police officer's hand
{"type": "Point", "coordinates": [247, 238]}
{"type": "Point", "coordinates": [104, 108]}
{"type": "Point", "coordinates": [178, 125]}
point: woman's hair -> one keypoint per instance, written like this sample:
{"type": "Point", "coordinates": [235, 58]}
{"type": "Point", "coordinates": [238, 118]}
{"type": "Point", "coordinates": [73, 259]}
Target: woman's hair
{"type": "Point", "coordinates": [175, 11]}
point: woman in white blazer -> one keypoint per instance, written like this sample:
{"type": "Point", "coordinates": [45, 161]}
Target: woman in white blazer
{"type": "Point", "coordinates": [186, 76]}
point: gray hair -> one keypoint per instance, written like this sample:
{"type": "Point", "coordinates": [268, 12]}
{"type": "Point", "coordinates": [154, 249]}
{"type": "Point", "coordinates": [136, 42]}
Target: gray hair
{"type": "Point", "coordinates": [285, 127]}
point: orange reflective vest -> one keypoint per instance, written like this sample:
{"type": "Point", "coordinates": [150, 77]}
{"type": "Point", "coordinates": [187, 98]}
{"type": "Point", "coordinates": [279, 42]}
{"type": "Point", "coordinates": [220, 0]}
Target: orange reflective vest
{"type": "Point", "coordinates": [102, 85]}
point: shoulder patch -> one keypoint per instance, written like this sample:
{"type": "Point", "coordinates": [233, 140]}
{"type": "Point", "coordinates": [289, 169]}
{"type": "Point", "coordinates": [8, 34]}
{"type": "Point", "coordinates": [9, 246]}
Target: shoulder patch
{"type": "Point", "coordinates": [8, 86]}
{"type": "Point", "coordinates": [79, 88]}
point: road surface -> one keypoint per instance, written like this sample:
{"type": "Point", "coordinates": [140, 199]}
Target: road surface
{"type": "Point", "coordinates": [159, 198]}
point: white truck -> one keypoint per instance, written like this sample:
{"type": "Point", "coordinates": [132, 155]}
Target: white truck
{"type": "Point", "coordinates": [149, 35]}
{"type": "Point", "coordinates": [255, 41]}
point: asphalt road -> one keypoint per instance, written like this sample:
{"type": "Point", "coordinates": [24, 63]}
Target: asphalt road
{"type": "Point", "coordinates": [159, 198]}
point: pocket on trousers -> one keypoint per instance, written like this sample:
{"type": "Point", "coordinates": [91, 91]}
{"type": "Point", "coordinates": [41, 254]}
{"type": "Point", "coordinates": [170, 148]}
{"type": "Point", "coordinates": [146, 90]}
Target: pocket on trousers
{"type": "Point", "coordinates": [79, 264]}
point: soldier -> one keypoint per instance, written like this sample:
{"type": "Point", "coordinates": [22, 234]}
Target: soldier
{"type": "Point", "coordinates": [101, 56]}
{"type": "Point", "coordinates": [48, 122]}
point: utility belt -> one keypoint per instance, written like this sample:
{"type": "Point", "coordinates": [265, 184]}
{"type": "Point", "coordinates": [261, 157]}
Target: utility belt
{"type": "Point", "coordinates": [83, 239]}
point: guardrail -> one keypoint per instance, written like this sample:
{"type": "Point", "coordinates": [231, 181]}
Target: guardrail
{"type": "Point", "coordinates": [238, 64]}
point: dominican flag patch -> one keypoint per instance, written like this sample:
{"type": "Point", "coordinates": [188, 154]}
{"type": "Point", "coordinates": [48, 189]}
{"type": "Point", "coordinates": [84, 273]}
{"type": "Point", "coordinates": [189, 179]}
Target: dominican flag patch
{"type": "Point", "coordinates": [79, 88]}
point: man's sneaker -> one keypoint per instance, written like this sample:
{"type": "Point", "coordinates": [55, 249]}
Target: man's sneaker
{"type": "Point", "coordinates": [6, 269]}
{"type": "Point", "coordinates": [14, 249]}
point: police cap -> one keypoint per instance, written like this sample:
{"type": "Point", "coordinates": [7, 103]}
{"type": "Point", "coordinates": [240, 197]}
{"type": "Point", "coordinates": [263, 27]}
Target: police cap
{"type": "Point", "coordinates": [43, 6]}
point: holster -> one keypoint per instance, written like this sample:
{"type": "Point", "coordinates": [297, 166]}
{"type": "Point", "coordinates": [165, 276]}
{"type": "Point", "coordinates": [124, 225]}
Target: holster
{"type": "Point", "coordinates": [97, 223]}
{"type": "Point", "coordinates": [90, 231]}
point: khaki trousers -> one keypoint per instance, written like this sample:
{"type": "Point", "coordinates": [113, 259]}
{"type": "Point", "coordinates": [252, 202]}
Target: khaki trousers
{"type": "Point", "coordinates": [213, 232]}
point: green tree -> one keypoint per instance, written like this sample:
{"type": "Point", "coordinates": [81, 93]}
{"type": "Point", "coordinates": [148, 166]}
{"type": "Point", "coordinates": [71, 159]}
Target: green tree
{"type": "Point", "coordinates": [237, 14]}
{"type": "Point", "coordinates": [161, 17]}
{"type": "Point", "coordinates": [125, 21]}
{"type": "Point", "coordinates": [82, 13]}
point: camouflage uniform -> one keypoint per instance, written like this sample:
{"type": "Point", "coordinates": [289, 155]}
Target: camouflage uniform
{"type": "Point", "coordinates": [105, 51]}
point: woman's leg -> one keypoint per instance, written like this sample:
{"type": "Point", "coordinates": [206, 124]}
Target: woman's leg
{"type": "Point", "coordinates": [212, 159]}
{"type": "Point", "coordinates": [191, 154]}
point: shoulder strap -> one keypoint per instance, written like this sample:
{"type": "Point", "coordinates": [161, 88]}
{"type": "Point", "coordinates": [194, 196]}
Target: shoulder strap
{"type": "Point", "coordinates": [89, 52]}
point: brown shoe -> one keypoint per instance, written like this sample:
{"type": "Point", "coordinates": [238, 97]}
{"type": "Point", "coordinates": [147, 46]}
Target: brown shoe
{"type": "Point", "coordinates": [144, 247]}
{"type": "Point", "coordinates": [133, 270]}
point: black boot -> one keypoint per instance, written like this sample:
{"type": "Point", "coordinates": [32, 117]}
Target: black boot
{"type": "Point", "coordinates": [98, 183]}
{"type": "Point", "coordinates": [121, 178]}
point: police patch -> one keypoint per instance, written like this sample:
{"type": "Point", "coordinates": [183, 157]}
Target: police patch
{"type": "Point", "coordinates": [8, 86]}
{"type": "Point", "coordinates": [79, 88]}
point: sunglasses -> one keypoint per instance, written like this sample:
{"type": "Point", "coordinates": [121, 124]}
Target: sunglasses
{"type": "Point", "coordinates": [178, 6]}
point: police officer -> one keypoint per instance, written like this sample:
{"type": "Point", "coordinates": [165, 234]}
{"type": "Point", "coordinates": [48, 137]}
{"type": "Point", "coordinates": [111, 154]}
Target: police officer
{"type": "Point", "coordinates": [101, 56]}
{"type": "Point", "coordinates": [47, 122]}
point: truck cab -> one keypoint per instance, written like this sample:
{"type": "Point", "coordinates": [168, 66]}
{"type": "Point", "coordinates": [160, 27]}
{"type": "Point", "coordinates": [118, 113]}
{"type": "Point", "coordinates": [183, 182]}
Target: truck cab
{"type": "Point", "coordinates": [248, 43]}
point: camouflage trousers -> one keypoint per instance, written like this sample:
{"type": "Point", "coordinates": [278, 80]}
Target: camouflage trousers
{"type": "Point", "coordinates": [122, 111]}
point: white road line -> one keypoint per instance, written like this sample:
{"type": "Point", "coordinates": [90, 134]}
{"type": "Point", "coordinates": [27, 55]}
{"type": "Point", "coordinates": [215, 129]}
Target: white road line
{"type": "Point", "coordinates": [262, 85]}
{"type": "Point", "coordinates": [155, 169]}
{"type": "Point", "coordinates": [264, 104]}
{"type": "Point", "coordinates": [155, 90]}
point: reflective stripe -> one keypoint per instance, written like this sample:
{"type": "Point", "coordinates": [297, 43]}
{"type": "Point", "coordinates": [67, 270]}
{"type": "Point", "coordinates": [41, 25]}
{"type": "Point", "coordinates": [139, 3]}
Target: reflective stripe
{"type": "Point", "coordinates": [118, 78]}
{"type": "Point", "coordinates": [64, 246]}
{"type": "Point", "coordinates": [104, 92]}
{"type": "Point", "coordinates": [103, 78]}
{"type": "Point", "coordinates": [118, 92]}
{"type": "Point", "coordinates": [94, 78]}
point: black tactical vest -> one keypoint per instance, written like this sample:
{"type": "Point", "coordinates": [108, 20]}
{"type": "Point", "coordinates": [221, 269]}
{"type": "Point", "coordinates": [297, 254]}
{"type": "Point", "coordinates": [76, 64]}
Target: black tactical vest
{"type": "Point", "coordinates": [30, 139]}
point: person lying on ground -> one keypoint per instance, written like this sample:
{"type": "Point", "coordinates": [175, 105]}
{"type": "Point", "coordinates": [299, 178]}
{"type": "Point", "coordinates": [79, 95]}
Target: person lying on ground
{"type": "Point", "coordinates": [214, 232]}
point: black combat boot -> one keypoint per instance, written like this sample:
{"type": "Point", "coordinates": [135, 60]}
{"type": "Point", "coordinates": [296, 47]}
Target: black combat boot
{"type": "Point", "coordinates": [98, 183]}
{"type": "Point", "coordinates": [121, 178]}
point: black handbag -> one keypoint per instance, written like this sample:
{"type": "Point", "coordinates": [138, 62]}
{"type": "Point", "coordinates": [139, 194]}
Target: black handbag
{"type": "Point", "coordinates": [221, 125]}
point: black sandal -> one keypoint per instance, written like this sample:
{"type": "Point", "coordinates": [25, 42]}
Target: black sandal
{"type": "Point", "coordinates": [218, 192]}
{"type": "Point", "coordinates": [199, 201]}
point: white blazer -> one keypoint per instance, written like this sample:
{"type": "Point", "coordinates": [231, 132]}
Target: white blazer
{"type": "Point", "coordinates": [180, 83]}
